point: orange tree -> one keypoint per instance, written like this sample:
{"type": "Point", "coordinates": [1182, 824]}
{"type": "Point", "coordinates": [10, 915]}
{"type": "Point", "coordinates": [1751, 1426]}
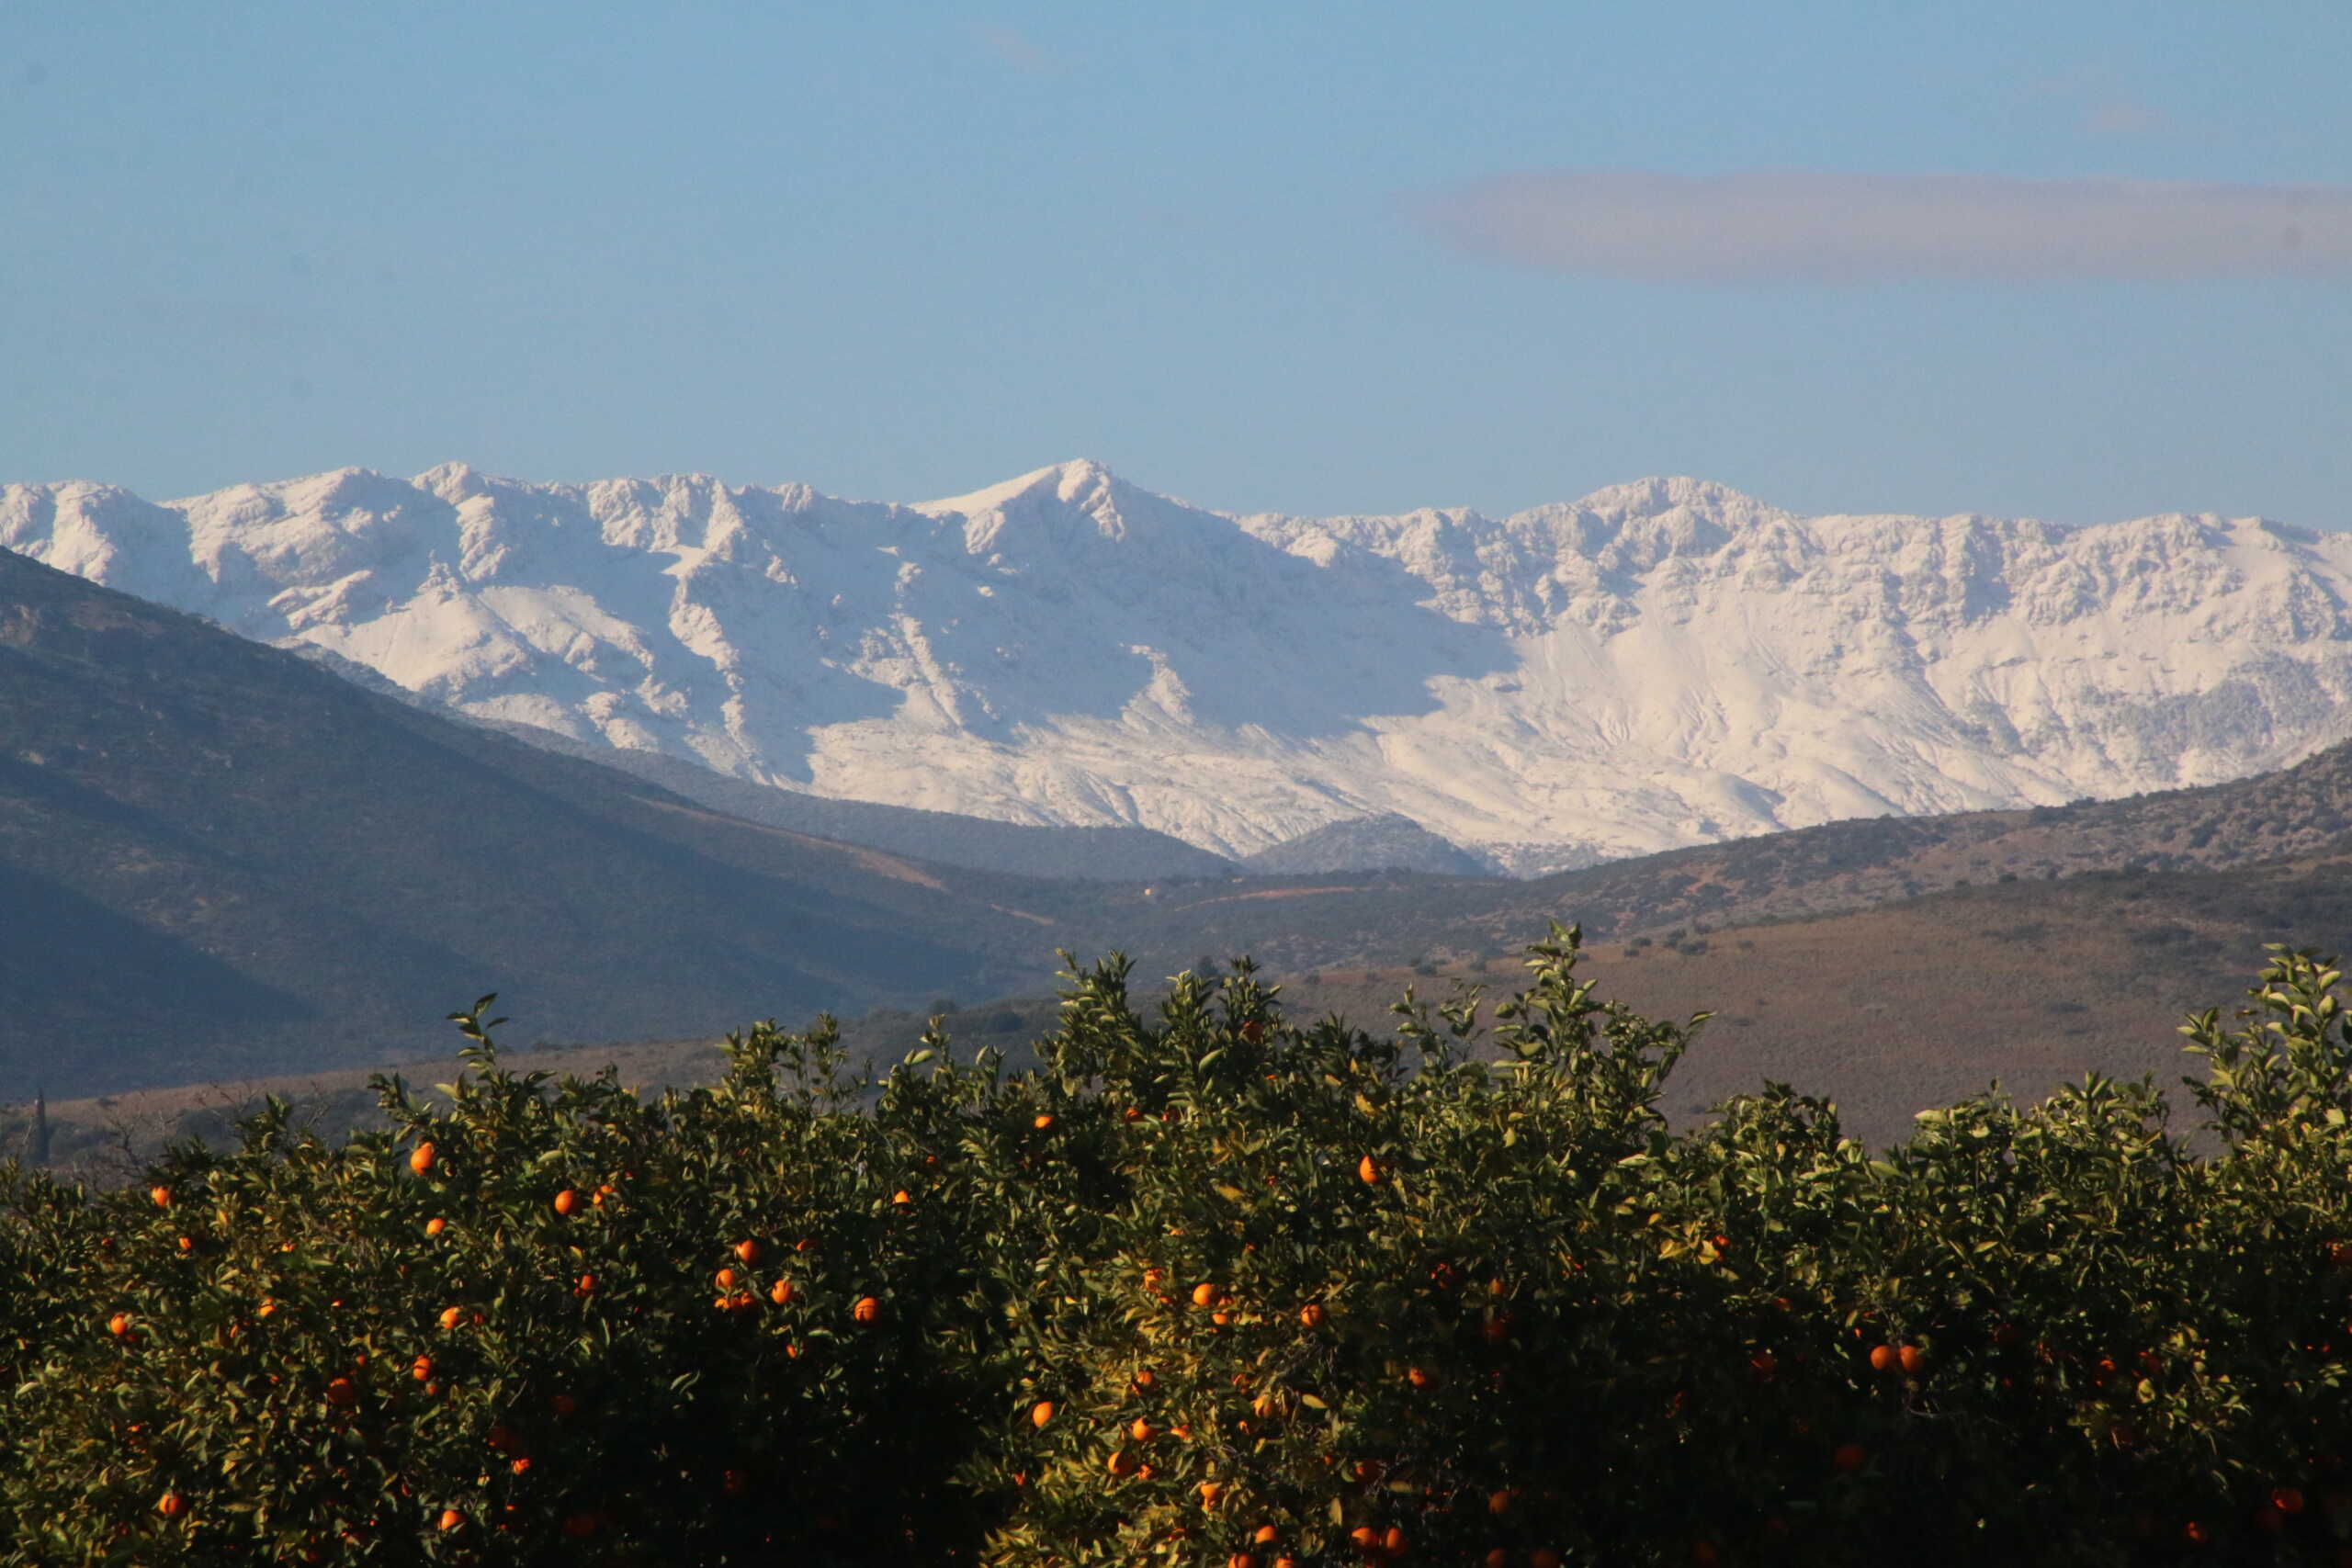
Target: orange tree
{"type": "Point", "coordinates": [1210, 1287]}
{"type": "Point", "coordinates": [1370, 1300]}
{"type": "Point", "coordinates": [717, 1327]}
{"type": "Point", "coordinates": [1350, 1276]}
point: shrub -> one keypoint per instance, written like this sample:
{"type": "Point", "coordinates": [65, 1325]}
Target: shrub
{"type": "Point", "coordinates": [1203, 1287]}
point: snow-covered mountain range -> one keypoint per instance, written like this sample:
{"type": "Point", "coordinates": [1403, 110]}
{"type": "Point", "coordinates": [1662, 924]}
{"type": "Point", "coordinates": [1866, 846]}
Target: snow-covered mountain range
{"type": "Point", "coordinates": [1662, 663]}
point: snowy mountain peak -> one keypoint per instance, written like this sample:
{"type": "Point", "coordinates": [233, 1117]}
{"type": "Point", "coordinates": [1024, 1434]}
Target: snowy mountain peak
{"type": "Point", "coordinates": [1662, 662]}
{"type": "Point", "coordinates": [1074, 483]}
{"type": "Point", "coordinates": [1654, 497]}
{"type": "Point", "coordinates": [453, 482]}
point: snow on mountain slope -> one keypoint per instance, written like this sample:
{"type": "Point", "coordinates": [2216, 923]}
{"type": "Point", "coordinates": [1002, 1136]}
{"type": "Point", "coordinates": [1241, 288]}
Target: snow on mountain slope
{"type": "Point", "coordinates": [1661, 664]}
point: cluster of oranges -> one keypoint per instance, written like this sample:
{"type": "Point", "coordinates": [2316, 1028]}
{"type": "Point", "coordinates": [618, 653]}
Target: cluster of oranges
{"type": "Point", "coordinates": [1398, 1305]}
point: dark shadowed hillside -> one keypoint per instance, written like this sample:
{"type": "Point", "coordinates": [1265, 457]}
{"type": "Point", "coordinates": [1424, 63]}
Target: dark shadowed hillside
{"type": "Point", "coordinates": [217, 860]}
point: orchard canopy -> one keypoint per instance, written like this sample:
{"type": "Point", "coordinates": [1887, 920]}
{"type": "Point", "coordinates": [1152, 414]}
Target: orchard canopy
{"type": "Point", "coordinates": [1216, 1286]}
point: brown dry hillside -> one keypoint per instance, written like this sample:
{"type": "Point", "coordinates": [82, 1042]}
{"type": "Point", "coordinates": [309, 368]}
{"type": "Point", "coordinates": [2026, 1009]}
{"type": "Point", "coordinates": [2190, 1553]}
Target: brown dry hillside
{"type": "Point", "coordinates": [1355, 920]}
{"type": "Point", "coordinates": [1918, 1004]}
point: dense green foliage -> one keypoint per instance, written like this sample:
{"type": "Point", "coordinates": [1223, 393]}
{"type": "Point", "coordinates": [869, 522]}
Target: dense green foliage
{"type": "Point", "coordinates": [1210, 1287]}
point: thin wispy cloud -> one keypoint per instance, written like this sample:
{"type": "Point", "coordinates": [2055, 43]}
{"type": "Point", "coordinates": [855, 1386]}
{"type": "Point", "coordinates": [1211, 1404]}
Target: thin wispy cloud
{"type": "Point", "coordinates": [2125, 117]}
{"type": "Point", "coordinates": [1819, 227]}
{"type": "Point", "coordinates": [1016, 51]}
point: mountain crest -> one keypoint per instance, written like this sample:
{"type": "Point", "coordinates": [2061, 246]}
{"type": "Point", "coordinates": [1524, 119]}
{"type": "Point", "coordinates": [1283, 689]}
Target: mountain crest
{"type": "Point", "coordinates": [1664, 662]}
{"type": "Point", "coordinates": [1650, 497]}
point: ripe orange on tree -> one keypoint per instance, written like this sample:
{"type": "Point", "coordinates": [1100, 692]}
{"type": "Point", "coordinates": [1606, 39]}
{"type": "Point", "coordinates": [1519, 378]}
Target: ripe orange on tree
{"type": "Point", "coordinates": [566, 1200]}
{"type": "Point", "coordinates": [420, 1159]}
{"type": "Point", "coordinates": [171, 1504]}
{"type": "Point", "coordinates": [1041, 1413]}
{"type": "Point", "coordinates": [1368, 1171]}
{"type": "Point", "coordinates": [161, 1196]}
{"type": "Point", "coordinates": [867, 1310]}
{"type": "Point", "coordinates": [747, 1252]}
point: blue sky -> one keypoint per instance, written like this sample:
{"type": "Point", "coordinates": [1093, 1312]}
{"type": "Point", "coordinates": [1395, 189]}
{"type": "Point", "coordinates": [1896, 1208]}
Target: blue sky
{"type": "Point", "coordinates": [1247, 255]}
